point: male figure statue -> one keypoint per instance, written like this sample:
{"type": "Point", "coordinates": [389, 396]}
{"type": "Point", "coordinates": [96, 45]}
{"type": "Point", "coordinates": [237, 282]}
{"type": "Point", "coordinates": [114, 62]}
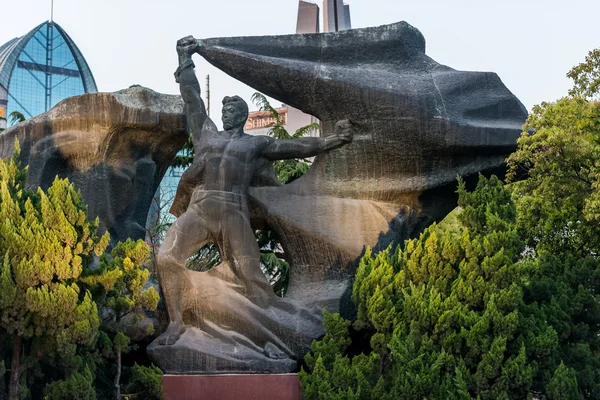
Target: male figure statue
{"type": "Point", "coordinates": [224, 165]}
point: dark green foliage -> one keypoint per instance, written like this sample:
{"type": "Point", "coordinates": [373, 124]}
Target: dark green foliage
{"type": "Point", "coordinates": [559, 210]}
{"type": "Point", "coordinates": [16, 117]}
{"type": "Point", "coordinates": [79, 386]}
{"type": "Point", "coordinates": [2, 374]}
{"type": "Point", "coordinates": [147, 380]}
{"type": "Point", "coordinates": [287, 170]}
{"type": "Point", "coordinates": [563, 385]}
{"type": "Point", "coordinates": [335, 376]}
{"type": "Point", "coordinates": [185, 156]}
{"type": "Point", "coordinates": [452, 316]}
{"type": "Point", "coordinates": [276, 268]}
{"type": "Point", "coordinates": [559, 203]}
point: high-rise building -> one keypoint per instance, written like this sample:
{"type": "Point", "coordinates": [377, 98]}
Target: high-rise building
{"type": "Point", "coordinates": [336, 16]}
{"type": "Point", "coordinates": [347, 19]}
{"type": "Point", "coordinates": [308, 17]}
{"type": "Point", "coordinates": [308, 22]}
{"type": "Point", "coordinates": [39, 69]}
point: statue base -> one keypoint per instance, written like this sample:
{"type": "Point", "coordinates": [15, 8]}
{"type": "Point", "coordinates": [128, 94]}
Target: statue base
{"type": "Point", "coordinates": [197, 352]}
{"type": "Point", "coordinates": [231, 387]}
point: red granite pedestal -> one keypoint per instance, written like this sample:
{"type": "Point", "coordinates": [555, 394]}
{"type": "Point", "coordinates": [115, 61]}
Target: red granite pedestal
{"type": "Point", "coordinates": [232, 387]}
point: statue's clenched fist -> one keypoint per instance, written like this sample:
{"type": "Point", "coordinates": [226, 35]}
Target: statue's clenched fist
{"type": "Point", "coordinates": [344, 130]}
{"type": "Point", "coordinates": [187, 46]}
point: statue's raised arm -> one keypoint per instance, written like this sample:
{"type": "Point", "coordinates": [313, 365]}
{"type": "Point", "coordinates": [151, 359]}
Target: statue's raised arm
{"type": "Point", "coordinates": [309, 146]}
{"type": "Point", "coordinates": [197, 118]}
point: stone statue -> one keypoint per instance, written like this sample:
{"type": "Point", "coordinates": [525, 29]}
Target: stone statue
{"type": "Point", "coordinates": [416, 125]}
{"type": "Point", "coordinates": [225, 164]}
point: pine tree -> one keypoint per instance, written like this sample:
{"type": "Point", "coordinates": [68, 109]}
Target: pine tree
{"type": "Point", "coordinates": [147, 380]}
{"type": "Point", "coordinates": [45, 241]}
{"type": "Point", "coordinates": [563, 385]}
{"type": "Point", "coordinates": [119, 289]}
{"type": "Point", "coordinates": [443, 312]}
{"type": "Point", "coordinates": [79, 386]}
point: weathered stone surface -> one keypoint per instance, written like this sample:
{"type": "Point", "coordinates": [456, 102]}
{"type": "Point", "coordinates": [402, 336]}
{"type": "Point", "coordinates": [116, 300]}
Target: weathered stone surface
{"type": "Point", "coordinates": [417, 125]}
{"type": "Point", "coordinates": [115, 147]}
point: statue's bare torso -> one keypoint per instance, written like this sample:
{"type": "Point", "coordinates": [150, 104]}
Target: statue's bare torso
{"type": "Point", "coordinates": [229, 164]}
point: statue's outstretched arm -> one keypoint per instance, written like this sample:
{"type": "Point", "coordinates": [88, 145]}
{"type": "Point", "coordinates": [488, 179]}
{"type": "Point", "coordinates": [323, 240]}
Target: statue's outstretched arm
{"type": "Point", "coordinates": [309, 146]}
{"type": "Point", "coordinates": [197, 117]}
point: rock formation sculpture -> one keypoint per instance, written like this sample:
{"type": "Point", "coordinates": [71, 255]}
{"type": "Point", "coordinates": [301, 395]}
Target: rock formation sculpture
{"type": "Point", "coordinates": [115, 147]}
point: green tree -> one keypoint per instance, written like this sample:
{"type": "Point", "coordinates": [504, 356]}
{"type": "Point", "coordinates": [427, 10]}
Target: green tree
{"type": "Point", "coordinates": [118, 286]}
{"type": "Point", "coordinates": [559, 210]}
{"type": "Point", "coordinates": [563, 385]}
{"type": "Point", "coordinates": [16, 117]}
{"type": "Point", "coordinates": [45, 241]}
{"type": "Point", "coordinates": [442, 312]}
{"type": "Point", "coordinates": [586, 77]}
{"type": "Point", "coordinates": [287, 170]}
{"type": "Point", "coordinates": [147, 380]}
{"type": "Point", "coordinates": [334, 375]}
{"type": "Point", "coordinates": [79, 386]}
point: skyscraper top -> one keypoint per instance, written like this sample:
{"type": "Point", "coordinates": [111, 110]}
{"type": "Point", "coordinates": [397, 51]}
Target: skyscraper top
{"type": "Point", "coordinates": [308, 17]}
{"type": "Point", "coordinates": [336, 16]}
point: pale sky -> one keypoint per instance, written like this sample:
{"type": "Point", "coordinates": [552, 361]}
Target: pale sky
{"type": "Point", "coordinates": [530, 44]}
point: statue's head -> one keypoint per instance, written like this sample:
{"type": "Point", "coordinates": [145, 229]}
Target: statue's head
{"type": "Point", "coordinates": [235, 112]}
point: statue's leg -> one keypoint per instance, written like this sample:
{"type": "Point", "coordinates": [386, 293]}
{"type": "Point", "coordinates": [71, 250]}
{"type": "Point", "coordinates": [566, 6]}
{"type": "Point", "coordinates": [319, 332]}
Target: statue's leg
{"type": "Point", "coordinates": [241, 251]}
{"type": "Point", "coordinates": [186, 236]}
{"type": "Point", "coordinates": [243, 255]}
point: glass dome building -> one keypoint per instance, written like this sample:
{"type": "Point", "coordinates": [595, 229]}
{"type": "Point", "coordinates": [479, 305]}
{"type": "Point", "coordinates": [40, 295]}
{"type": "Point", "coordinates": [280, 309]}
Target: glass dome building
{"type": "Point", "coordinates": [40, 69]}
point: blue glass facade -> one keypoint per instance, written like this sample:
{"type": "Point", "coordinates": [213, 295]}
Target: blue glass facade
{"type": "Point", "coordinates": [168, 189]}
{"type": "Point", "coordinates": [40, 69]}
{"type": "Point", "coordinates": [159, 217]}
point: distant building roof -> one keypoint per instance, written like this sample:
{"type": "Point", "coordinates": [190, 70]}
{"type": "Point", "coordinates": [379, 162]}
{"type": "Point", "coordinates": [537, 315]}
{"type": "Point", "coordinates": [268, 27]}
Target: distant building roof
{"type": "Point", "coordinates": [263, 119]}
{"type": "Point", "coordinates": [45, 51]}
{"type": "Point", "coordinates": [11, 50]}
